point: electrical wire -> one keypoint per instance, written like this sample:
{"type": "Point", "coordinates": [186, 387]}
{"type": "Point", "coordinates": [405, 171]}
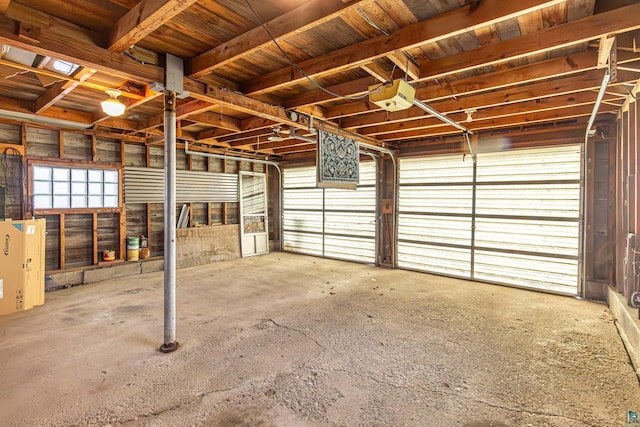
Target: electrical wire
{"type": "Point", "coordinates": [305, 75]}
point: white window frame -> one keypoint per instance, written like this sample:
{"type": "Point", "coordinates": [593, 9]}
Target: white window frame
{"type": "Point", "coordinates": [61, 187]}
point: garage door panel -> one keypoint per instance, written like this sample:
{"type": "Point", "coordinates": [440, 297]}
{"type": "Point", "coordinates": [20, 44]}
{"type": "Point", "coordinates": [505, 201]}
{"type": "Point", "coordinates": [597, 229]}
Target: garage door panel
{"type": "Point", "coordinates": [303, 199]}
{"type": "Point", "coordinates": [364, 199]}
{"type": "Point", "coordinates": [436, 199]}
{"type": "Point", "coordinates": [441, 169]}
{"type": "Point", "coordinates": [434, 259]}
{"type": "Point", "coordinates": [537, 200]}
{"type": "Point", "coordinates": [526, 217]}
{"type": "Point", "coordinates": [303, 221]}
{"type": "Point", "coordinates": [330, 222]}
{"type": "Point", "coordinates": [538, 272]}
{"type": "Point", "coordinates": [361, 224]}
{"type": "Point", "coordinates": [349, 248]}
{"type": "Point", "coordinates": [545, 237]}
{"type": "Point", "coordinates": [434, 229]}
{"type": "Point", "coordinates": [304, 177]}
{"type": "Point", "coordinates": [304, 243]}
{"type": "Point", "coordinates": [556, 163]}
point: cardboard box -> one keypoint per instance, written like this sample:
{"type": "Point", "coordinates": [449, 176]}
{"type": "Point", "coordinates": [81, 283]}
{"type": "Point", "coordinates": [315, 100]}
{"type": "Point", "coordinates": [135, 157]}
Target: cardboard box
{"type": "Point", "coordinates": [22, 265]}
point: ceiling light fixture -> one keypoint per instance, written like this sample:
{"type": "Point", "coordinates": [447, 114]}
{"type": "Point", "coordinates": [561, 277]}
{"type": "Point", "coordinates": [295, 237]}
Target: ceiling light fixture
{"type": "Point", "coordinates": [470, 112]}
{"type": "Point", "coordinates": [112, 106]}
{"type": "Point", "coordinates": [276, 135]}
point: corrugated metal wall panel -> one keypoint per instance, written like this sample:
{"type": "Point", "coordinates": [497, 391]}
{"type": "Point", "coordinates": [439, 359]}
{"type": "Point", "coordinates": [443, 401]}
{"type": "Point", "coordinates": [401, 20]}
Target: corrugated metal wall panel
{"type": "Point", "coordinates": [330, 222]}
{"type": "Point", "coordinates": [146, 185]}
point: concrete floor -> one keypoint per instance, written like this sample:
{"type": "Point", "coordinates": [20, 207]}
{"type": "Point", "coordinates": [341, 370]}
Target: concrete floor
{"type": "Point", "coordinates": [287, 340]}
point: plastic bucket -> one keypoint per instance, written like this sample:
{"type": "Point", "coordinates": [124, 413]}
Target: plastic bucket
{"type": "Point", "coordinates": [133, 248]}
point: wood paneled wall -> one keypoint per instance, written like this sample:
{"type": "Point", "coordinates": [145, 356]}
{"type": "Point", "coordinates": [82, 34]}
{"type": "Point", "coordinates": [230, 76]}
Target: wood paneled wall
{"type": "Point", "coordinates": [77, 237]}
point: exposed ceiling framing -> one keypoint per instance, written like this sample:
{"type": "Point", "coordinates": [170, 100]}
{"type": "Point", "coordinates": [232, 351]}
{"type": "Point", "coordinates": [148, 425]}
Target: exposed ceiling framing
{"type": "Point", "coordinates": [506, 66]}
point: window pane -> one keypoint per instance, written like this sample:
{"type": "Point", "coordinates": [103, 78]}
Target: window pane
{"type": "Point", "coordinates": [78, 201]}
{"type": "Point", "coordinates": [111, 189]}
{"type": "Point", "coordinates": [95, 201]}
{"type": "Point", "coordinates": [95, 175]}
{"type": "Point", "coordinates": [110, 176]}
{"type": "Point", "coordinates": [78, 188]}
{"type": "Point", "coordinates": [41, 173]}
{"type": "Point", "coordinates": [42, 187]}
{"type": "Point", "coordinates": [60, 174]}
{"type": "Point", "coordinates": [95, 189]}
{"type": "Point", "coordinates": [60, 188]}
{"type": "Point", "coordinates": [111, 201]}
{"type": "Point", "coordinates": [42, 202]}
{"type": "Point", "coordinates": [61, 201]}
{"type": "Point", "coordinates": [79, 175]}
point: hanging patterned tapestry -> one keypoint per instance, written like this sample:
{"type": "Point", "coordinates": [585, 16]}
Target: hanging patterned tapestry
{"type": "Point", "coordinates": [337, 161]}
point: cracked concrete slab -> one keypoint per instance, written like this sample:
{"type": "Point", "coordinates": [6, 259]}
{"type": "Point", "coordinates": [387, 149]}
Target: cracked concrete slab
{"type": "Point", "coordinates": [288, 340]}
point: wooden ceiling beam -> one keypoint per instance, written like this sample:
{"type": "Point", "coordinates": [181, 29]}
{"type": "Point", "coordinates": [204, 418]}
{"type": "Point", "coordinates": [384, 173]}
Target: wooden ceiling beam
{"type": "Point", "coordinates": [60, 89]}
{"type": "Point", "coordinates": [616, 21]}
{"type": "Point", "coordinates": [218, 120]}
{"type": "Point", "coordinates": [307, 16]}
{"type": "Point", "coordinates": [585, 82]}
{"type": "Point", "coordinates": [507, 121]}
{"type": "Point", "coordinates": [527, 107]}
{"type": "Point", "coordinates": [4, 6]}
{"type": "Point", "coordinates": [378, 71]}
{"type": "Point", "coordinates": [27, 107]}
{"type": "Point", "coordinates": [406, 65]}
{"type": "Point", "coordinates": [549, 69]}
{"type": "Point", "coordinates": [295, 148]}
{"type": "Point", "coordinates": [142, 20]}
{"type": "Point", "coordinates": [182, 111]}
{"type": "Point", "coordinates": [439, 27]}
{"type": "Point", "coordinates": [48, 43]}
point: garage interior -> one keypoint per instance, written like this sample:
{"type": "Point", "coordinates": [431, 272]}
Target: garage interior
{"type": "Point", "coordinates": [373, 212]}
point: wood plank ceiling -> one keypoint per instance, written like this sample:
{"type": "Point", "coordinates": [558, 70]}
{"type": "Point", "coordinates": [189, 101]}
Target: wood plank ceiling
{"type": "Point", "coordinates": [249, 64]}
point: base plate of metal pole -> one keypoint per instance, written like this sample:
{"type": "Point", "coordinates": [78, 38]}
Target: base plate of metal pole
{"type": "Point", "coordinates": [168, 348]}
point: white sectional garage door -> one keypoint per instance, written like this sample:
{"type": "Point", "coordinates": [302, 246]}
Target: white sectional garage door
{"type": "Point", "coordinates": [330, 222]}
{"type": "Point", "coordinates": [526, 217]}
{"type": "Point", "coordinates": [434, 215]}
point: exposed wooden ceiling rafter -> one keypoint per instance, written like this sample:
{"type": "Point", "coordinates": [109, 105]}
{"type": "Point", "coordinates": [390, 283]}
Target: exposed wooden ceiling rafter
{"type": "Point", "coordinates": [143, 19]}
{"type": "Point", "coordinates": [431, 30]}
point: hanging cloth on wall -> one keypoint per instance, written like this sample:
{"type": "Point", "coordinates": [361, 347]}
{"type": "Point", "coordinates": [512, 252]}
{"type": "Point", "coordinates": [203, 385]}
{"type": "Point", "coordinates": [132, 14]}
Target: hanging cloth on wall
{"type": "Point", "coordinates": [337, 161]}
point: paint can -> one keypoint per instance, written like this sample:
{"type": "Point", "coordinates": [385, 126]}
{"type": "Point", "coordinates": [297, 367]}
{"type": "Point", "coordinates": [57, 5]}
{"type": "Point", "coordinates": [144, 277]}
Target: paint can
{"type": "Point", "coordinates": [133, 248]}
{"type": "Point", "coordinates": [109, 255]}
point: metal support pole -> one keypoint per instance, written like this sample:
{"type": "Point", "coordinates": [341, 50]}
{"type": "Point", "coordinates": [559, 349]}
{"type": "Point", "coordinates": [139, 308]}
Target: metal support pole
{"type": "Point", "coordinates": [170, 343]}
